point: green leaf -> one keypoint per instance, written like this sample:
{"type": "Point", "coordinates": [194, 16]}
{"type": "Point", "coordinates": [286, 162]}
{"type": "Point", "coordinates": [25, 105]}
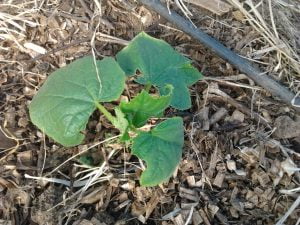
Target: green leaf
{"type": "Point", "coordinates": [161, 148]}
{"type": "Point", "coordinates": [159, 64]}
{"type": "Point", "coordinates": [145, 106]}
{"type": "Point", "coordinates": [86, 160]}
{"type": "Point", "coordinates": [65, 102]}
{"type": "Point", "coordinates": [121, 123]}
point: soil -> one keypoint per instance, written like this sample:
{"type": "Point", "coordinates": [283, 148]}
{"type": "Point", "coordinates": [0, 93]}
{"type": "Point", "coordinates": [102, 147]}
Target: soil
{"type": "Point", "coordinates": [242, 146]}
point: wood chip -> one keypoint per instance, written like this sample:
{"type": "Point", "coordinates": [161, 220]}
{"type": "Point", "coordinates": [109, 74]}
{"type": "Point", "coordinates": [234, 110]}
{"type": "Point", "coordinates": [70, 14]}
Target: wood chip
{"type": "Point", "coordinates": [137, 209]}
{"type": "Point", "coordinates": [142, 218]}
{"type": "Point", "coordinates": [202, 117]}
{"type": "Point", "coordinates": [231, 165]}
{"type": "Point", "coordinates": [250, 155]}
{"type": "Point", "coordinates": [197, 219]}
{"type": "Point", "coordinates": [122, 205]}
{"type": "Point", "coordinates": [213, 209]}
{"type": "Point", "coordinates": [128, 186]}
{"type": "Point", "coordinates": [171, 214]}
{"type": "Point", "coordinates": [188, 206]}
{"type": "Point", "coordinates": [93, 197]}
{"type": "Point", "coordinates": [219, 179]}
{"type": "Point", "coordinates": [234, 213]}
{"type": "Point", "coordinates": [286, 127]}
{"type": "Point", "coordinates": [191, 181]}
{"type": "Point", "coordinates": [238, 116]}
{"type": "Point", "coordinates": [6, 142]}
{"type": "Point", "coordinates": [36, 48]}
{"type": "Point", "coordinates": [114, 182]}
{"type": "Point", "coordinates": [222, 218]}
{"type": "Point", "coordinates": [204, 217]}
{"type": "Point", "coordinates": [152, 204]}
{"type": "Point", "coordinates": [217, 116]}
{"type": "Point", "coordinates": [178, 220]}
{"type": "Point", "coordinates": [238, 15]}
{"type": "Point", "coordinates": [213, 162]}
{"type": "Point", "coordinates": [289, 167]}
{"type": "Point", "coordinates": [188, 194]}
{"type": "Point", "coordinates": [261, 176]}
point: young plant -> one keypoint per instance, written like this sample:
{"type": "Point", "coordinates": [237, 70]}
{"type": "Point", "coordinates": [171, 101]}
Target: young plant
{"type": "Point", "coordinates": [63, 105]}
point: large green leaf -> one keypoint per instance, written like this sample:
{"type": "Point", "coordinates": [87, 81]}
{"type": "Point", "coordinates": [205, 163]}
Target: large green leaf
{"type": "Point", "coordinates": [161, 148]}
{"type": "Point", "coordinates": [159, 64]}
{"type": "Point", "coordinates": [65, 102]}
{"type": "Point", "coordinates": [145, 106]}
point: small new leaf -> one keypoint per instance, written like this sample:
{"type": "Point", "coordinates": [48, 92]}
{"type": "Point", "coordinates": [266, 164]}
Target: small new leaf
{"type": "Point", "coordinates": [121, 123]}
{"type": "Point", "coordinates": [160, 65]}
{"type": "Point", "coordinates": [145, 106]}
{"type": "Point", "coordinates": [65, 102]}
{"type": "Point", "coordinates": [161, 148]}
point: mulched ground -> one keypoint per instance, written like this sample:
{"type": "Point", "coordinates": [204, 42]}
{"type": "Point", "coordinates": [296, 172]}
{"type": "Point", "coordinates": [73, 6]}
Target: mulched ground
{"type": "Point", "coordinates": [236, 167]}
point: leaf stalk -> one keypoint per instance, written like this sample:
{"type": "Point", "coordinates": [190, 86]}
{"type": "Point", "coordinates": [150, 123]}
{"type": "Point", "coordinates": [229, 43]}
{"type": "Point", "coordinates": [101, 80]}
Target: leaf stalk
{"type": "Point", "coordinates": [105, 112]}
{"type": "Point", "coordinates": [148, 87]}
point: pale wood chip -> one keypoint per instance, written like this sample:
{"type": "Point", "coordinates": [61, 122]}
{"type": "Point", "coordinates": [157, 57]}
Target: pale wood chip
{"type": "Point", "coordinates": [191, 181]}
{"type": "Point", "coordinates": [231, 165]}
{"type": "Point", "coordinates": [219, 179]}
{"type": "Point", "coordinates": [238, 116]}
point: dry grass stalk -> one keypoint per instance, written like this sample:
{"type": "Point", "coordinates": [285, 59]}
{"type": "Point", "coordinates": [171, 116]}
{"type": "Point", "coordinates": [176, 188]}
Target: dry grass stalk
{"type": "Point", "coordinates": [267, 26]}
{"type": "Point", "coordinates": [291, 209]}
{"type": "Point", "coordinates": [218, 7]}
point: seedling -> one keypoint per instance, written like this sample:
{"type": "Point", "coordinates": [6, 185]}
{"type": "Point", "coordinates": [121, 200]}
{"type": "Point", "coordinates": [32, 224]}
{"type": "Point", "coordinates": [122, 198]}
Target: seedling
{"type": "Point", "coordinates": [63, 105]}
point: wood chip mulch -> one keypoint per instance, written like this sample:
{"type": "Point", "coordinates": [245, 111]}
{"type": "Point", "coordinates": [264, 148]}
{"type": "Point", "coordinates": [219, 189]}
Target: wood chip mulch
{"type": "Point", "coordinates": [242, 147]}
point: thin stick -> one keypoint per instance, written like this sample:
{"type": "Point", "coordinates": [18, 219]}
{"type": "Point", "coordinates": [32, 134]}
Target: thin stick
{"type": "Point", "coordinates": [240, 63]}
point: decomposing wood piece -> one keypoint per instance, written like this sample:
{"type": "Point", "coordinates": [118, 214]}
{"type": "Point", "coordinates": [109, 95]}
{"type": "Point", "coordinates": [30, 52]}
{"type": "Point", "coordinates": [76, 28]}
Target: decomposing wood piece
{"type": "Point", "coordinates": [214, 209]}
{"type": "Point", "coordinates": [197, 219]}
{"type": "Point", "coordinates": [214, 90]}
{"type": "Point", "coordinates": [6, 142]}
{"type": "Point", "coordinates": [188, 194]}
{"type": "Point", "coordinates": [204, 217]}
{"type": "Point", "coordinates": [222, 218]}
{"type": "Point", "coordinates": [217, 116]}
{"type": "Point", "coordinates": [152, 204]}
{"type": "Point", "coordinates": [286, 127]}
{"type": "Point", "coordinates": [218, 181]}
{"type": "Point", "coordinates": [202, 117]}
{"type": "Point", "coordinates": [218, 7]}
{"type": "Point", "coordinates": [213, 162]}
{"type": "Point", "coordinates": [178, 220]}
{"type": "Point", "coordinates": [240, 63]}
{"type": "Point", "coordinates": [289, 212]}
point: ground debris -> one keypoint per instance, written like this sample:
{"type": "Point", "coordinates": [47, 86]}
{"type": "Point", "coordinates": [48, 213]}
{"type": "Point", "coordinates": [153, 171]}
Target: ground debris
{"type": "Point", "coordinates": [241, 156]}
{"type": "Point", "coordinates": [286, 127]}
{"type": "Point", "coordinates": [215, 6]}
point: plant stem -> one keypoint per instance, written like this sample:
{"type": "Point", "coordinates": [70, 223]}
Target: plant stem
{"type": "Point", "coordinates": [148, 87]}
{"type": "Point", "coordinates": [107, 114]}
